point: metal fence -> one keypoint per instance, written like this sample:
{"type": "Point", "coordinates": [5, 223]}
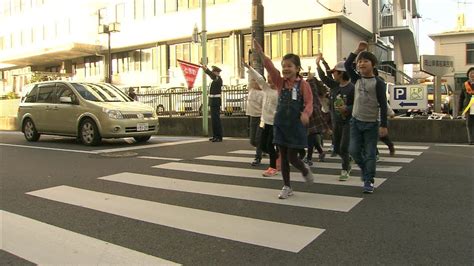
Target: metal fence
{"type": "Point", "coordinates": [183, 102]}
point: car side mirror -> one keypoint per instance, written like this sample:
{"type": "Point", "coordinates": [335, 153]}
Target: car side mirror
{"type": "Point", "coordinates": [65, 99]}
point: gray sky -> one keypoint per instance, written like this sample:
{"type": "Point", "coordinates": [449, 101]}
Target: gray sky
{"type": "Point", "coordinates": [440, 16]}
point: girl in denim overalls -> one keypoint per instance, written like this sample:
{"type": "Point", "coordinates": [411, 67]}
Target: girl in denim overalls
{"type": "Point", "coordinates": [295, 105]}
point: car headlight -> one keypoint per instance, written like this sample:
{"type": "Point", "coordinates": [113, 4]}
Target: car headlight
{"type": "Point", "coordinates": [114, 114]}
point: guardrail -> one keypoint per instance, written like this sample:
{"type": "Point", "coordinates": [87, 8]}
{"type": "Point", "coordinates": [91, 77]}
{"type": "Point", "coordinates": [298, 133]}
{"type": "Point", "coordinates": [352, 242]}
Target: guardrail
{"type": "Point", "coordinates": [182, 102]}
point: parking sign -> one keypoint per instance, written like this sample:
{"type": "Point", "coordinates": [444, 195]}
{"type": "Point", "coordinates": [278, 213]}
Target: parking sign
{"type": "Point", "coordinates": [408, 97]}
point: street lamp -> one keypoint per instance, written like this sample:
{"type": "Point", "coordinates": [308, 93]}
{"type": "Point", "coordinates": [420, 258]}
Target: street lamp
{"type": "Point", "coordinates": [108, 29]}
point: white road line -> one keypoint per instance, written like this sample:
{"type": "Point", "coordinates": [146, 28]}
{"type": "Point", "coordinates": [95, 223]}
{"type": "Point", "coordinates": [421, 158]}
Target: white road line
{"type": "Point", "coordinates": [251, 173]}
{"type": "Point", "coordinates": [398, 152]}
{"type": "Point", "coordinates": [45, 148]}
{"type": "Point", "coordinates": [269, 234]}
{"type": "Point", "coordinates": [403, 147]}
{"type": "Point", "coordinates": [382, 159]}
{"type": "Point", "coordinates": [301, 199]}
{"type": "Point", "coordinates": [140, 147]}
{"type": "Point", "coordinates": [455, 145]}
{"type": "Point", "coordinates": [328, 157]}
{"type": "Point", "coordinates": [45, 244]}
{"type": "Point", "coordinates": [159, 158]}
{"type": "Point", "coordinates": [380, 168]}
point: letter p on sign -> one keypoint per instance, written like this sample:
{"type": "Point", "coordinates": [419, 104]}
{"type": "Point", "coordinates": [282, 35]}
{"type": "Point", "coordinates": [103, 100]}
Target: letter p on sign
{"type": "Point", "coordinates": [400, 94]}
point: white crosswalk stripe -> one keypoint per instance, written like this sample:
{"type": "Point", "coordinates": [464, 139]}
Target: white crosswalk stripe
{"type": "Point", "coordinates": [36, 241]}
{"type": "Point", "coordinates": [251, 173]}
{"type": "Point", "coordinates": [380, 168]}
{"type": "Point", "coordinates": [45, 244]}
{"type": "Point", "coordinates": [275, 235]}
{"type": "Point", "coordinates": [410, 153]}
{"type": "Point", "coordinates": [402, 147]}
{"type": "Point", "coordinates": [309, 200]}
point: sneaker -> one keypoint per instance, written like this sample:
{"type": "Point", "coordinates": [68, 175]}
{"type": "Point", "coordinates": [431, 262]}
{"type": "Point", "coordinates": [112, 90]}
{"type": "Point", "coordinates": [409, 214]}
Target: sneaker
{"type": "Point", "coordinates": [256, 162]}
{"type": "Point", "coordinates": [333, 154]}
{"type": "Point", "coordinates": [368, 187]}
{"type": "Point", "coordinates": [309, 176]}
{"type": "Point", "coordinates": [307, 161]}
{"type": "Point", "coordinates": [322, 156]}
{"type": "Point", "coordinates": [349, 167]}
{"type": "Point", "coordinates": [377, 158]}
{"type": "Point", "coordinates": [344, 175]}
{"type": "Point", "coordinates": [270, 172]}
{"type": "Point", "coordinates": [285, 192]}
{"type": "Point", "coordinates": [392, 150]}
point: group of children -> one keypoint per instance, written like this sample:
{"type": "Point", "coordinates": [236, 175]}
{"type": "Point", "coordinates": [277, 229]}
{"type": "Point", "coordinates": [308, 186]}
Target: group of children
{"type": "Point", "coordinates": [286, 114]}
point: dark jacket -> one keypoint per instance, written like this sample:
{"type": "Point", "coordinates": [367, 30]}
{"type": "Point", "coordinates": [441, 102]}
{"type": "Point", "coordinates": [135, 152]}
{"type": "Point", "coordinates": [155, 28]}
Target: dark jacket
{"type": "Point", "coordinates": [464, 98]}
{"type": "Point", "coordinates": [346, 92]}
{"type": "Point", "coordinates": [216, 88]}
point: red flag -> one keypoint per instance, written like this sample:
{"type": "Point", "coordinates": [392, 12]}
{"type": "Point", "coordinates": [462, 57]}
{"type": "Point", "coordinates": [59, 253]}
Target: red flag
{"type": "Point", "coordinates": [190, 72]}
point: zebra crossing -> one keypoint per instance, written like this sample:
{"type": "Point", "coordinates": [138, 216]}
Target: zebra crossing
{"type": "Point", "coordinates": [40, 240]}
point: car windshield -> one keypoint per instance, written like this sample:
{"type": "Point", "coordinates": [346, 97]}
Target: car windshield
{"type": "Point", "coordinates": [100, 92]}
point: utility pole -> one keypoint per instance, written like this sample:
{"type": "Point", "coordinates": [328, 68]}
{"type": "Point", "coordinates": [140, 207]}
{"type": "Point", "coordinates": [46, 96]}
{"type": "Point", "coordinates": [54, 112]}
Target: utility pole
{"type": "Point", "coordinates": [205, 107]}
{"type": "Point", "coordinates": [258, 32]}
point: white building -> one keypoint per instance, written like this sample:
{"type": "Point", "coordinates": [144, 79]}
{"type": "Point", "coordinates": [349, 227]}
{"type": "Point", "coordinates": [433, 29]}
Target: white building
{"type": "Point", "coordinates": [460, 45]}
{"type": "Point", "coordinates": [63, 36]}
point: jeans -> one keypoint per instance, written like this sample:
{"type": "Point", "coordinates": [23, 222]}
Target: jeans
{"type": "Point", "coordinates": [363, 146]}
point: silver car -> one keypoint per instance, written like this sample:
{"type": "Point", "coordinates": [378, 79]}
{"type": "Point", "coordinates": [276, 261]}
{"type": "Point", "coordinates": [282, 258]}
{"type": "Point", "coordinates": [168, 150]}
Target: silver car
{"type": "Point", "coordinates": [88, 111]}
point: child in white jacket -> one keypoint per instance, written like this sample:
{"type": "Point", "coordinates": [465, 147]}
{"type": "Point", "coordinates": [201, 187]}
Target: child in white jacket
{"type": "Point", "coordinates": [269, 105]}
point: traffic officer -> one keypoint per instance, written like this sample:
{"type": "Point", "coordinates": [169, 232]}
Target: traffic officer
{"type": "Point", "coordinates": [215, 101]}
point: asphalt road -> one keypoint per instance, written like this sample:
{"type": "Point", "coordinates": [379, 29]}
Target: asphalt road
{"type": "Point", "coordinates": [121, 202]}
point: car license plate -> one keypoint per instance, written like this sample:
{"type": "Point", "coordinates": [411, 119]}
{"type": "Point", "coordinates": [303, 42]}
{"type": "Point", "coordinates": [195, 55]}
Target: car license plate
{"type": "Point", "coordinates": [142, 126]}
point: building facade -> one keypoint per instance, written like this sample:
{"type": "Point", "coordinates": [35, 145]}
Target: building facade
{"type": "Point", "coordinates": [460, 45]}
{"type": "Point", "coordinates": [142, 39]}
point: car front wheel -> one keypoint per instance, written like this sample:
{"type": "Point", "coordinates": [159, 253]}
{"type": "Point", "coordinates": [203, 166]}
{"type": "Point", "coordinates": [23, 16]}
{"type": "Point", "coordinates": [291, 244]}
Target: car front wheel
{"type": "Point", "coordinates": [29, 130]}
{"type": "Point", "coordinates": [142, 138]}
{"type": "Point", "coordinates": [89, 133]}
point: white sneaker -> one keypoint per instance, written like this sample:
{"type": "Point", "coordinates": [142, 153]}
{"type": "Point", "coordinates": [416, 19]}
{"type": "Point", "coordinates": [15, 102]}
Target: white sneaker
{"type": "Point", "coordinates": [344, 175]}
{"type": "Point", "coordinates": [308, 177]}
{"type": "Point", "coordinates": [285, 192]}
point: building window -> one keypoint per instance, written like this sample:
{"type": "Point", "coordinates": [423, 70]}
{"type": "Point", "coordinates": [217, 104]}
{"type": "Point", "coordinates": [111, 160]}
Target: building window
{"type": "Point", "coordinates": [182, 4]}
{"type": "Point", "coordinates": [276, 51]}
{"type": "Point", "coordinates": [226, 56]}
{"type": "Point", "coordinates": [194, 3]}
{"type": "Point", "coordinates": [134, 60]}
{"type": "Point", "coordinates": [171, 6]}
{"type": "Point", "coordinates": [119, 12]}
{"type": "Point", "coordinates": [138, 6]}
{"type": "Point", "coordinates": [267, 43]}
{"type": "Point", "coordinates": [149, 8]}
{"type": "Point", "coordinates": [285, 42]}
{"type": "Point", "coordinates": [247, 47]}
{"type": "Point", "coordinates": [469, 53]}
{"type": "Point", "coordinates": [146, 59]}
{"type": "Point", "coordinates": [316, 41]}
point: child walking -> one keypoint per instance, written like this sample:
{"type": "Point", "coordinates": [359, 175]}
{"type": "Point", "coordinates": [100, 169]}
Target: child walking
{"type": "Point", "coordinates": [369, 97]}
{"type": "Point", "coordinates": [341, 99]}
{"type": "Point", "coordinates": [269, 106]}
{"type": "Point", "coordinates": [295, 105]}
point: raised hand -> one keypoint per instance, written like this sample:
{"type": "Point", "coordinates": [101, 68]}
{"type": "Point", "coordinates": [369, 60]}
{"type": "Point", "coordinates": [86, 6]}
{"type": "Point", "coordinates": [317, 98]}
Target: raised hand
{"type": "Point", "coordinates": [363, 45]}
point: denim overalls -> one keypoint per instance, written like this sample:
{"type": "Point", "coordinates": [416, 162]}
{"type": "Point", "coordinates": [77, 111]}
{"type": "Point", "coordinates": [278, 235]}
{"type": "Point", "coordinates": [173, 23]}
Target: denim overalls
{"type": "Point", "coordinates": [288, 130]}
